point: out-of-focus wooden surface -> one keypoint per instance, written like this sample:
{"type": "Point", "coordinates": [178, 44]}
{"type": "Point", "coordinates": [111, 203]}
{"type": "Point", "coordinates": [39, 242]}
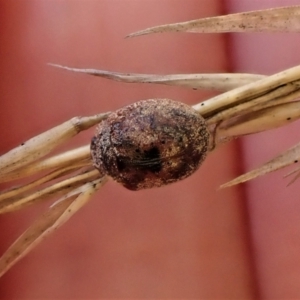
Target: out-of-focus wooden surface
{"type": "Point", "coordinates": [187, 240]}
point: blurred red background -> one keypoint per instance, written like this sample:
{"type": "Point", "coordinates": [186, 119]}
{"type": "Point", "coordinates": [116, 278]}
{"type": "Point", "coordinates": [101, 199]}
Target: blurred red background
{"type": "Point", "coordinates": [186, 240]}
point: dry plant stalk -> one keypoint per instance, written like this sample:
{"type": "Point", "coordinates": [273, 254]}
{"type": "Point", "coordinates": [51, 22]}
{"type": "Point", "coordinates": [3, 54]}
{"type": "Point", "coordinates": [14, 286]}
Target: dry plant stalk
{"type": "Point", "coordinates": [251, 103]}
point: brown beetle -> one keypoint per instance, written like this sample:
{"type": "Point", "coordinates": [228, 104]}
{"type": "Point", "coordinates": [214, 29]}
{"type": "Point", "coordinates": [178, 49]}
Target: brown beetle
{"type": "Point", "coordinates": [150, 143]}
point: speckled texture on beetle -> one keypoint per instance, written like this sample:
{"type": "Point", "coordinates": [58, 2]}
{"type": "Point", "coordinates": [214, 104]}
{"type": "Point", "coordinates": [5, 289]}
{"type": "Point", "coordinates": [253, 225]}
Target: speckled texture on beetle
{"type": "Point", "coordinates": [150, 143]}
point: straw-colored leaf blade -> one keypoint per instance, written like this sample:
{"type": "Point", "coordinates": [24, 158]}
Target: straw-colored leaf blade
{"type": "Point", "coordinates": [56, 216]}
{"type": "Point", "coordinates": [22, 189]}
{"type": "Point", "coordinates": [70, 159]}
{"type": "Point", "coordinates": [280, 19]}
{"type": "Point", "coordinates": [33, 235]}
{"type": "Point", "coordinates": [289, 157]}
{"type": "Point", "coordinates": [19, 201]}
{"type": "Point", "coordinates": [262, 120]}
{"type": "Point", "coordinates": [217, 82]}
{"type": "Point", "coordinates": [45, 142]}
{"type": "Point", "coordinates": [274, 97]}
{"type": "Point", "coordinates": [233, 98]}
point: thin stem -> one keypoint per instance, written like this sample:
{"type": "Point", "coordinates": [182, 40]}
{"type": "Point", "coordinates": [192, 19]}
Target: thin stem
{"type": "Point", "coordinates": [11, 204]}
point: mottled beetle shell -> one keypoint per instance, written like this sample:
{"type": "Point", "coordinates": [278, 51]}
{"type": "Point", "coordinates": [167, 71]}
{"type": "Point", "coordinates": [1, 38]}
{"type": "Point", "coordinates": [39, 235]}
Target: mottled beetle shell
{"type": "Point", "coordinates": [150, 143]}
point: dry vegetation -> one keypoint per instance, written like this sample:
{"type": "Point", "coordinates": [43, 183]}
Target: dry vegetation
{"type": "Point", "coordinates": [247, 104]}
